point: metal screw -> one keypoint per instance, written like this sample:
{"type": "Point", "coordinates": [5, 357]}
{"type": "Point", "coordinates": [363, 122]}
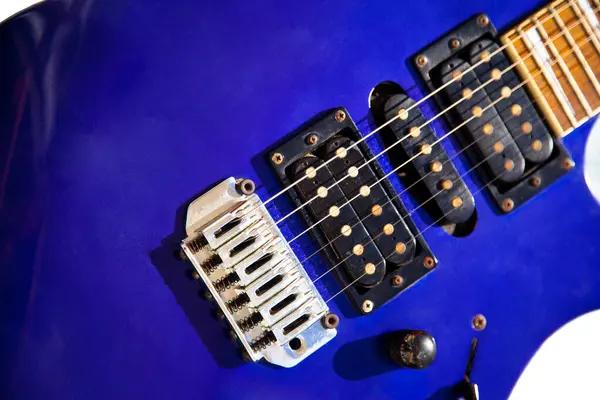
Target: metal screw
{"type": "Point", "coordinates": [367, 306]}
{"type": "Point", "coordinates": [277, 158]}
{"type": "Point", "coordinates": [245, 356]}
{"type": "Point", "coordinates": [479, 322]}
{"type": "Point", "coordinates": [207, 295]}
{"type": "Point", "coordinates": [421, 61]}
{"type": "Point", "coordinates": [220, 315]}
{"type": "Point", "coordinates": [330, 321]}
{"type": "Point", "coordinates": [483, 20]}
{"type": "Point", "coordinates": [196, 275]}
{"type": "Point", "coordinates": [508, 205]}
{"type": "Point", "coordinates": [428, 262]}
{"type": "Point", "coordinates": [397, 281]}
{"type": "Point", "coordinates": [233, 336]}
{"type": "Point", "coordinates": [312, 139]}
{"type": "Point", "coordinates": [454, 44]}
{"type": "Point", "coordinates": [535, 181]}
{"type": "Point", "coordinates": [340, 116]}
{"type": "Point", "coordinates": [567, 164]}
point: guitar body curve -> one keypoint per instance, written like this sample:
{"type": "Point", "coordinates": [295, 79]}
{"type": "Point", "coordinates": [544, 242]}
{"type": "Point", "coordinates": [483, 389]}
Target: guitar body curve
{"type": "Point", "coordinates": [162, 100]}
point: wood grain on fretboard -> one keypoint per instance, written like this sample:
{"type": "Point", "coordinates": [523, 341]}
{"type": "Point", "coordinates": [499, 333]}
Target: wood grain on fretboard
{"type": "Point", "coordinates": [565, 77]}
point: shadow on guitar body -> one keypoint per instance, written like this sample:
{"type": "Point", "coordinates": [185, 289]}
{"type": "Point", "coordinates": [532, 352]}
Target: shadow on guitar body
{"type": "Point", "coordinates": [200, 312]}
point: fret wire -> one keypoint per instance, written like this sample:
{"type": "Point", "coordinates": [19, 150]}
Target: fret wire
{"type": "Point", "coordinates": [582, 61]}
{"type": "Point", "coordinates": [561, 62]}
{"type": "Point", "coordinates": [551, 83]}
{"type": "Point", "coordinates": [586, 26]}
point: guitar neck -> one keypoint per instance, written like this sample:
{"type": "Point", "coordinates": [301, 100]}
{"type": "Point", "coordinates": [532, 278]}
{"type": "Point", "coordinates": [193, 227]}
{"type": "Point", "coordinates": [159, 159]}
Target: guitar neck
{"type": "Point", "coordinates": [557, 50]}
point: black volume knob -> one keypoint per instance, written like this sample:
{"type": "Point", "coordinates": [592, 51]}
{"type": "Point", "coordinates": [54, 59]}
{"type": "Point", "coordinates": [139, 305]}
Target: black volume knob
{"type": "Point", "coordinates": [412, 348]}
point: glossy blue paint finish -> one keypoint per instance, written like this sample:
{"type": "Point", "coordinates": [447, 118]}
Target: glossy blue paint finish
{"type": "Point", "coordinates": [155, 102]}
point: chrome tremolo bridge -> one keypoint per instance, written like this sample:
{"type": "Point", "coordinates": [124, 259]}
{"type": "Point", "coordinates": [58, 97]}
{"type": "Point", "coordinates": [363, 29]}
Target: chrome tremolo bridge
{"type": "Point", "coordinates": [253, 275]}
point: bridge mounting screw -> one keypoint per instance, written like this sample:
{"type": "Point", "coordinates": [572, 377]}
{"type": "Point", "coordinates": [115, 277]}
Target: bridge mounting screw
{"type": "Point", "coordinates": [479, 322]}
{"type": "Point", "coordinates": [508, 205]}
{"type": "Point", "coordinates": [312, 139]}
{"type": "Point", "coordinates": [483, 20]}
{"type": "Point", "coordinates": [330, 321]}
{"type": "Point", "coordinates": [397, 281]}
{"type": "Point", "coordinates": [340, 116]}
{"type": "Point", "coordinates": [367, 306]}
{"type": "Point", "coordinates": [277, 158]}
{"type": "Point", "coordinates": [454, 44]}
{"type": "Point", "coordinates": [421, 61]}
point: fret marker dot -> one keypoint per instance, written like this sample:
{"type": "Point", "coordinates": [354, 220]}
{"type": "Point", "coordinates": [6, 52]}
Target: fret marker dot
{"type": "Point", "coordinates": [400, 248]}
{"type": "Point", "coordinates": [446, 184]}
{"type": "Point", "coordinates": [322, 192]}
{"type": "Point", "coordinates": [370, 269]}
{"type": "Point", "coordinates": [402, 114]}
{"type": "Point", "coordinates": [346, 230]}
{"type": "Point", "coordinates": [376, 210]}
{"type": "Point", "coordinates": [414, 132]}
{"type": "Point", "coordinates": [365, 191]}
{"type": "Point", "coordinates": [505, 92]}
{"type": "Point", "coordinates": [457, 202]}
{"type": "Point", "coordinates": [435, 166]}
{"type": "Point", "coordinates": [526, 127]}
{"type": "Point", "coordinates": [498, 147]}
{"type": "Point", "coordinates": [516, 110]}
{"type": "Point", "coordinates": [509, 165]}
{"type": "Point", "coordinates": [426, 149]}
{"type": "Point", "coordinates": [536, 145]}
{"type": "Point", "coordinates": [485, 56]}
{"type": "Point", "coordinates": [477, 111]}
{"type": "Point", "coordinates": [310, 172]}
{"type": "Point", "coordinates": [457, 75]}
{"type": "Point", "coordinates": [334, 211]}
{"type": "Point", "coordinates": [341, 152]}
{"type": "Point", "coordinates": [496, 74]}
{"type": "Point", "coordinates": [467, 94]}
{"type": "Point", "coordinates": [388, 229]}
{"type": "Point", "coordinates": [488, 129]}
{"type": "Point", "coordinates": [353, 172]}
{"type": "Point", "coordinates": [358, 250]}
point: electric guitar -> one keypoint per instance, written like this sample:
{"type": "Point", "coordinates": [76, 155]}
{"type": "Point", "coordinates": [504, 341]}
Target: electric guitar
{"type": "Point", "coordinates": [301, 200]}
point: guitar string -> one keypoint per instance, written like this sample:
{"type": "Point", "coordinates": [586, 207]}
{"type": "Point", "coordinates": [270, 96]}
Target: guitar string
{"type": "Point", "coordinates": [404, 191]}
{"type": "Point", "coordinates": [510, 67]}
{"type": "Point", "coordinates": [435, 117]}
{"type": "Point", "coordinates": [416, 155]}
{"type": "Point", "coordinates": [419, 234]}
{"type": "Point", "coordinates": [500, 49]}
{"type": "Point", "coordinates": [578, 44]}
{"type": "Point", "coordinates": [443, 216]}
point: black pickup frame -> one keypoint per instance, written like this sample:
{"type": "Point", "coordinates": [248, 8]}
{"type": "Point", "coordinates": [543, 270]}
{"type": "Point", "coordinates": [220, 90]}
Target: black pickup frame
{"type": "Point", "coordinates": [308, 139]}
{"type": "Point", "coordinates": [508, 196]}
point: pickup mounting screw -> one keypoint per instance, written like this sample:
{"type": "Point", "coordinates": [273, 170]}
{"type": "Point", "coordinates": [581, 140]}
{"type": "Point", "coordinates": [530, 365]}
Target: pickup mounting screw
{"type": "Point", "coordinates": [483, 20]}
{"type": "Point", "coordinates": [397, 281]}
{"type": "Point", "coordinates": [246, 187]}
{"type": "Point", "coordinates": [277, 158]}
{"type": "Point", "coordinates": [454, 44]}
{"type": "Point", "coordinates": [340, 116]}
{"type": "Point", "coordinates": [479, 322]}
{"type": "Point", "coordinates": [312, 139]}
{"type": "Point", "coordinates": [428, 262]}
{"type": "Point", "coordinates": [535, 181]}
{"type": "Point", "coordinates": [508, 205]}
{"type": "Point", "coordinates": [567, 164]}
{"type": "Point", "coordinates": [367, 306]}
{"type": "Point", "coordinates": [421, 61]}
{"type": "Point", "coordinates": [330, 321]}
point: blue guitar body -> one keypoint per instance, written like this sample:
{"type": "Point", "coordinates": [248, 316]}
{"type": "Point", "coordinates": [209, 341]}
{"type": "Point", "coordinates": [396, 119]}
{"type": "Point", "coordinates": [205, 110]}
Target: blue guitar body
{"type": "Point", "coordinates": [120, 113]}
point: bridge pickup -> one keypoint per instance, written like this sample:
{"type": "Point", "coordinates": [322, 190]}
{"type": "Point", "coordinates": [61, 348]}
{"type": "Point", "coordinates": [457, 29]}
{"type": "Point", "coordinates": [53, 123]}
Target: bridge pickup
{"type": "Point", "coordinates": [501, 130]}
{"type": "Point", "coordinates": [254, 277]}
{"type": "Point", "coordinates": [360, 223]}
{"type": "Point", "coordinates": [429, 176]}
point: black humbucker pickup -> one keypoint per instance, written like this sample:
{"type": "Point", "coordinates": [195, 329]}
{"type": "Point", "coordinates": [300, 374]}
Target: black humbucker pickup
{"type": "Point", "coordinates": [501, 129]}
{"type": "Point", "coordinates": [422, 163]}
{"type": "Point", "coordinates": [362, 224]}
